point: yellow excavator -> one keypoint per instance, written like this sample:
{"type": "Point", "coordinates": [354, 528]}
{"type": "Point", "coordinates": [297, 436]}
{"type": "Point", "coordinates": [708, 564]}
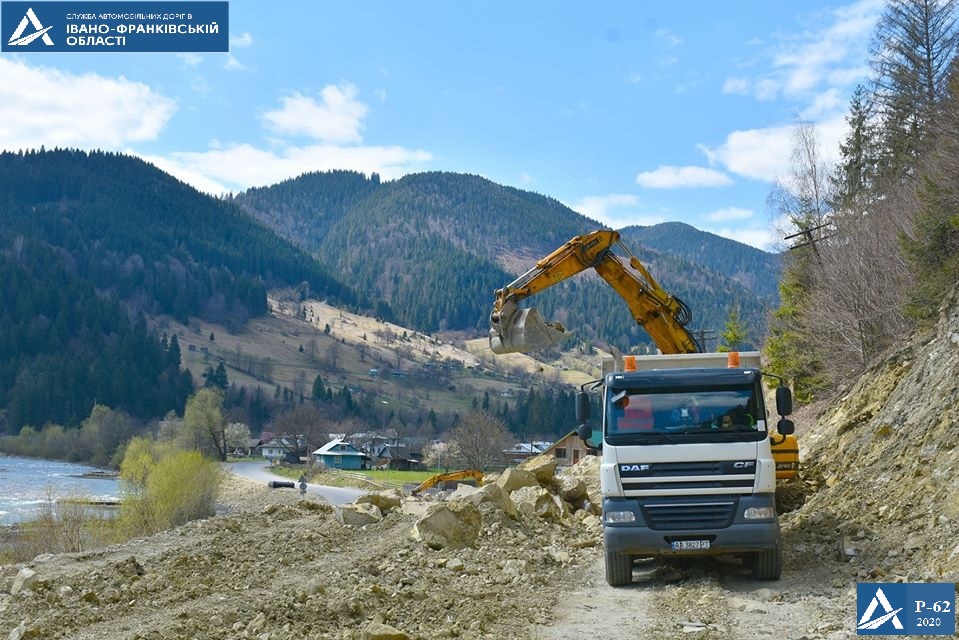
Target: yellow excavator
{"type": "Point", "coordinates": [452, 476]}
{"type": "Point", "coordinates": [662, 315]}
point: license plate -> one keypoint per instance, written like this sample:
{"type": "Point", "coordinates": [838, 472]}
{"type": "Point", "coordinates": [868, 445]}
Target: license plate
{"type": "Point", "coordinates": [690, 545]}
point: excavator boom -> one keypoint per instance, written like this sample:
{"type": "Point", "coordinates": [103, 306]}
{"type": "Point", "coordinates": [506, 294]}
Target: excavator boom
{"type": "Point", "coordinates": [663, 316]}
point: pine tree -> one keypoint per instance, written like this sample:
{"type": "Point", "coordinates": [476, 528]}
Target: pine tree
{"type": "Point", "coordinates": [734, 335]}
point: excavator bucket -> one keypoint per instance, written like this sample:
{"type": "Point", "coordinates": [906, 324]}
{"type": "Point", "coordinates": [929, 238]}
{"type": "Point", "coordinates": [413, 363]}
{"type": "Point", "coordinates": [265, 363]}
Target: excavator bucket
{"type": "Point", "coordinates": [524, 331]}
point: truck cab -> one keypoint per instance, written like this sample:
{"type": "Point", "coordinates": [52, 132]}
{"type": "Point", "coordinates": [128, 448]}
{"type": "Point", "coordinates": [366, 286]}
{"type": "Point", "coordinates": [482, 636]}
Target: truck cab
{"type": "Point", "coordinates": [687, 467]}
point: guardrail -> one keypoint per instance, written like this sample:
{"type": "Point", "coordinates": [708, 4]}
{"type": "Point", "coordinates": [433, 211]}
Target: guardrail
{"type": "Point", "coordinates": [362, 477]}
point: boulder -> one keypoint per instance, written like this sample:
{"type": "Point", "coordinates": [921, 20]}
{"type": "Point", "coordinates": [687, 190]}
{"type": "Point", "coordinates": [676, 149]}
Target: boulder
{"type": "Point", "coordinates": [385, 500]}
{"type": "Point", "coordinates": [26, 577]}
{"type": "Point", "coordinates": [380, 631]}
{"type": "Point", "coordinates": [572, 489]}
{"type": "Point", "coordinates": [538, 502]}
{"type": "Point", "coordinates": [358, 514]}
{"type": "Point", "coordinates": [451, 525]}
{"type": "Point", "coordinates": [587, 470]}
{"type": "Point", "coordinates": [488, 494]}
{"type": "Point", "coordinates": [542, 466]}
{"type": "Point", "coordinates": [513, 479]}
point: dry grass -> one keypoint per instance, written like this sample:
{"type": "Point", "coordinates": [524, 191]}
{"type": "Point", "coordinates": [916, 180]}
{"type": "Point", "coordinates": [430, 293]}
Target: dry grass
{"type": "Point", "coordinates": [358, 344]}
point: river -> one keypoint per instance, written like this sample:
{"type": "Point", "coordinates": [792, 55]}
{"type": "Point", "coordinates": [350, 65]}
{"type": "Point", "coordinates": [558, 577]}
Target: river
{"type": "Point", "coordinates": [27, 484]}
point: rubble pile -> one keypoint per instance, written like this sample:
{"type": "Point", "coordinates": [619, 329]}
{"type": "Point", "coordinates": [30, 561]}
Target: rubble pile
{"type": "Point", "coordinates": [481, 562]}
{"type": "Point", "coordinates": [882, 464]}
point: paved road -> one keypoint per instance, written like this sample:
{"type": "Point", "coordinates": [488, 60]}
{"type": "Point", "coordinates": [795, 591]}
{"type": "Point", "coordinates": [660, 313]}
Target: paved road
{"type": "Point", "coordinates": [260, 472]}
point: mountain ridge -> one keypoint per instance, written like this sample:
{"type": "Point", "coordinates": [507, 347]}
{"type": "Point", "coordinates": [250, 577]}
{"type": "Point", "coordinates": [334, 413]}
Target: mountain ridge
{"type": "Point", "coordinates": [429, 231]}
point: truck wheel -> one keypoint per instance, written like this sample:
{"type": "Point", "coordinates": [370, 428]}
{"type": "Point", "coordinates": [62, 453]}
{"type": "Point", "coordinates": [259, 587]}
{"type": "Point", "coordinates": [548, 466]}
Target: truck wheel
{"type": "Point", "coordinates": [768, 563]}
{"type": "Point", "coordinates": [619, 569]}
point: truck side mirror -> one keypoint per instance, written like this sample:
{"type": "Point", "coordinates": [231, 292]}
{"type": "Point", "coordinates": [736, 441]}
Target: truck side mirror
{"type": "Point", "coordinates": [784, 401]}
{"type": "Point", "coordinates": [582, 407]}
{"type": "Point", "coordinates": [785, 427]}
{"type": "Point", "coordinates": [585, 432]}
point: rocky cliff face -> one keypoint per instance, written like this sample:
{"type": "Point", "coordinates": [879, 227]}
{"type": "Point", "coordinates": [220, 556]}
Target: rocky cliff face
{"type": "Point", "coordinates": [884, 462]}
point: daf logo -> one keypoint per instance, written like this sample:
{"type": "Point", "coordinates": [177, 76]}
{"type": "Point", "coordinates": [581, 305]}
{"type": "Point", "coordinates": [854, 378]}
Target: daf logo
{"type": "Point", "coordinates": [746, 464]}
{"type": "Point", "coordinates": [633, 467]}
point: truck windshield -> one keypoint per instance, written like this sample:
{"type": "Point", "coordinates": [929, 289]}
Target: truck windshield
{"type": "Point", "coordinates": [709, 413]}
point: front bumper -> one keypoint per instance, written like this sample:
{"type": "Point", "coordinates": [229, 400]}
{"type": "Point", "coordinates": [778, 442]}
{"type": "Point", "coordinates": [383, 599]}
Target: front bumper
{"type": "Point", "coordinates": [651, 536]}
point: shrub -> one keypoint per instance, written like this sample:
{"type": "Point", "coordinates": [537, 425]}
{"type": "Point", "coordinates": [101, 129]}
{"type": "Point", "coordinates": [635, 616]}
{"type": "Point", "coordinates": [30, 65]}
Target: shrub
{"type": "Point", "coordinates": [165, 487]}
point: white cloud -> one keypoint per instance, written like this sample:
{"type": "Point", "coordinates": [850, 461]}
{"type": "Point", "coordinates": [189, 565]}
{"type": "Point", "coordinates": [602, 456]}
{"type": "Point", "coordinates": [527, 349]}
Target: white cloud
{"type": "Point", "coordinates": [729, 213]}
{"type": "Point", "coordinates": [237, 167]}
{"type": "Point", "coordinates": [764, 154]}
{"type": "Point", "coordinates": [761, 154]}
{"type": "Point", "coordinates": [233, 64]}
{"type": "Point", "coordinates": [805, 64]}
{"type": "Point", "coordinates": [765, 239]}
{"type": "Point", "coordinates": [190, 59]}
{"type": "Point", "coordinates": [338, 119]}
{"type": "Point", "coordinates": [242, 40]}
{"type": "Point", "coordinates": [608, 210]}
{"type": "Point", "coordinates": [827, 102]}
{"type": "Point", "coordinates": [738, 86]}
{"type": "Point", "coordinates": [44, 106]}
{"type": "Point", "coordinates": [671, 39]}
{"type": "Point", "coordinates": [598, 206]}
{"type": "Point", "coordinates": [668, 177]}
{"type": "Point", "coordinates": [526, 178]}
{"type": "Point", "coordinates": [380, 94]}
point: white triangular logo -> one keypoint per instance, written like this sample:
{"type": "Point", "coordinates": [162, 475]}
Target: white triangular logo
{"type": "Point", "coordinates": [19, 39]}
{"type": "Point", "coordinates": [868, 622]}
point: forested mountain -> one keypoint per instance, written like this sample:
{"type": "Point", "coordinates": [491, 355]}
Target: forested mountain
{"type": "Point", "coordinates": [436, 245]}
{"type": "Point", "coordinates": [88, 242]}
{"type": "Point", "coordinates": [756, 270]}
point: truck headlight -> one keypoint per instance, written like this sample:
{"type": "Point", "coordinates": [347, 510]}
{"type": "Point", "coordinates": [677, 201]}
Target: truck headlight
{"type": "Point", "coordinates": [620, 516]}
{"type": "Point", "coordinates": [759, 513]}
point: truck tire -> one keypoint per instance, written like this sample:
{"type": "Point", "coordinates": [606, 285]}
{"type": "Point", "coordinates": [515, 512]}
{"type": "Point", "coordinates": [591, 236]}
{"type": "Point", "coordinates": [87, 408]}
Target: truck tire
{"type": "Point", "coordinates": [619, 569]}
{"type": "Point", "coordinates": [768, 563]}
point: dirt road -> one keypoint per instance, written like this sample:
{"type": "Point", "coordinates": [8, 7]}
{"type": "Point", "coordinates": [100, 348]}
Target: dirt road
{"type": "Point", "coordinates": [259, 472]}
{"type": "Point", "coordinates": [716, 598]}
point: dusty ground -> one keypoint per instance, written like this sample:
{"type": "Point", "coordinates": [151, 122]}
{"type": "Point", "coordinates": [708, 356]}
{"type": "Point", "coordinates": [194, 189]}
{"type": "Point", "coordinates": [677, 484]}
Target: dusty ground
{"type": "Point", "coordinates": [273, 567]}
{"type": "Point", "coordinates": [881, 467]}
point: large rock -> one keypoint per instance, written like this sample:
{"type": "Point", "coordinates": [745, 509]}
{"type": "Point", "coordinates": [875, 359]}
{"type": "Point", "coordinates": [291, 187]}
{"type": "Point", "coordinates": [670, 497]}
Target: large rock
{"type": "Point", "coordinates": [380, 631]}
{"type": "Point", "coordinates": [487, 494]}
{"type": "Point", "coordinates": [385, 500]}
{"type": "Point", "coordinates": [449, 525]}
{"type": "Point", "coordinates": [538, 502]}
{"type": "Point", "coordinates": [587, 471]}
{"type": "Point", "coordinates": [513, 479]}
{"type": "Point", "coordinates": [26, 578]}
{"type": "Point", "coordinates": [358, 514]}
{"type": "Point", "coordinates": [572, 489]}
{"type": "Point", "coordinates": [542, 466]}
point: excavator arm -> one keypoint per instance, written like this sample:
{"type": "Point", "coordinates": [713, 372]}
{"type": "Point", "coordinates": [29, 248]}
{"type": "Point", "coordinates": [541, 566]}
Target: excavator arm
{"type": "Point", "coordinates": [663, 316]}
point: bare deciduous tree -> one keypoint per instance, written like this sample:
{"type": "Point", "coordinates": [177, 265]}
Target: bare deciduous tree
{"type": "Point", "coordinates": [333, 355]}
{"type": "Point", "coordinates": [480, 439]}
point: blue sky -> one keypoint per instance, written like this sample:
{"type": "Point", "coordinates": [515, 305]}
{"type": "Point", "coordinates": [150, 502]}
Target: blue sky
{"type": "Point", "coordinates": [629, 112]}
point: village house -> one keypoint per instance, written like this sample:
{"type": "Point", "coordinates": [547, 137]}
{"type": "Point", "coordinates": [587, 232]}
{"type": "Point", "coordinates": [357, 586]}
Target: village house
{"type": "Point", "coordinates": [339, 454]}
{"type": "Point", "coordinates": [568, 450]}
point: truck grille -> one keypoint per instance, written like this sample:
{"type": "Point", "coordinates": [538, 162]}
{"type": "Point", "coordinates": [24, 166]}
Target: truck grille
{"type": "Point", "coordinates": [694, 514]}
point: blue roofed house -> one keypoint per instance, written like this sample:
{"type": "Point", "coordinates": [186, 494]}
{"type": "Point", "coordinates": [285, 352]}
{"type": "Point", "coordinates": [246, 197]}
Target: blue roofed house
{"type": "Point", "coordinates": [339, 454]}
